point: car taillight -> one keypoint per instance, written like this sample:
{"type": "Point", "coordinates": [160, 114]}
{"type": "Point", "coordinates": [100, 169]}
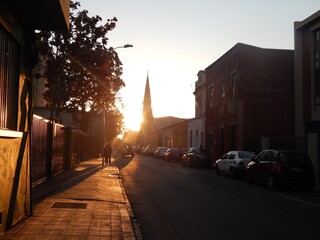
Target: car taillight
{"type": "Point", "coordinates": [277, 166]}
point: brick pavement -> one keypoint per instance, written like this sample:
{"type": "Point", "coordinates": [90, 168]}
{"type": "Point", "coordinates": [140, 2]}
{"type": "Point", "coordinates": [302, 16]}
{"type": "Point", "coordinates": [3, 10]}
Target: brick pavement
{"type": "Point", "coordinates": [87, 202]}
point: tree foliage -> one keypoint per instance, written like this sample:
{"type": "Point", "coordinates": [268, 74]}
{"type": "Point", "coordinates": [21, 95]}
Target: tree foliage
{"type": "Point", "coordinates": [83, 74]}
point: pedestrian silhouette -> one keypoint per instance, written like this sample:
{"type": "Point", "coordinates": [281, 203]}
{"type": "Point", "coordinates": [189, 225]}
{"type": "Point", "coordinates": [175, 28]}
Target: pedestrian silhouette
{"type": "Point", "coordinates": [107, 154]}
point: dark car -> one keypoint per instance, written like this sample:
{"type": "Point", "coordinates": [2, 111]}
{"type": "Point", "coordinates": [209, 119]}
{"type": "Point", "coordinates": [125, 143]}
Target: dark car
{"type": "Point", "coordinates": [172, 154]}
{"type": "Point", "coordinates": [127, 151]}
{"type": "Point", "coordinates": [196, 157]}
{"type": "Point", "coordinates": [281, 168]}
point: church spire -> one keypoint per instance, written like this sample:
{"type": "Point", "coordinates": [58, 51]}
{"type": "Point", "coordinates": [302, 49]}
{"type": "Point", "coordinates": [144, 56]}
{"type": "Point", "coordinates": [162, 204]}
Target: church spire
{"type": "Point", "coordinates": [147, 126]}
{"type": "Point", "coordinates": [147, 108]}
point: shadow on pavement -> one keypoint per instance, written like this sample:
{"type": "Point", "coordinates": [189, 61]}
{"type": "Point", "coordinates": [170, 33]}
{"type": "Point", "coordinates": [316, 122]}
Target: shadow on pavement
{"type": "Point", "coordinates": [65, 180]}
{"type": "Point", "coordinates": [122, 162]}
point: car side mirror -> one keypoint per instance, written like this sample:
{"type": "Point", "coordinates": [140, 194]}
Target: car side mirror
{"type": "Point", "coordinates": [254, 159]}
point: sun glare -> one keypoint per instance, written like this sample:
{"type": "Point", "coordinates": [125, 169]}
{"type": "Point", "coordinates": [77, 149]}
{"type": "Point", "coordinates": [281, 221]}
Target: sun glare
{"type": "Point", "coordinates": [132, 119]}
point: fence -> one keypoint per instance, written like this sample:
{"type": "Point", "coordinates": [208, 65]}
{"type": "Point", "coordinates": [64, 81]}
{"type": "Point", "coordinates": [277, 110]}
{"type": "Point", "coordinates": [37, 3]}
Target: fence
{"type": "Point", "coordinates": [54, 148]}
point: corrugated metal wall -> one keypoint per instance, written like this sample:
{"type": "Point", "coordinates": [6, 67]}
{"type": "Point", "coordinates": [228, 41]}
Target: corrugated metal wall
{"type": "Point", "coordinates": [9, 80]}
{"type": "Point", "coordinates": [54, 148]}
{"type": "Point", "coordinates": [39, 149]}
{"type": "Point", "coordinates": [59, 143]}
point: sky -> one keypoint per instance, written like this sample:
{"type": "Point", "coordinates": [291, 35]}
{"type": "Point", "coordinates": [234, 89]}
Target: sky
{"type": "Point", "coordinates": [173, 40]}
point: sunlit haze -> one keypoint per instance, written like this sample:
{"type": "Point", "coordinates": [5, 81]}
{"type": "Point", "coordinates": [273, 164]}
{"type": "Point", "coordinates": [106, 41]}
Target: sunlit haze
{"type": "Point", "coordinates": [173, 40]}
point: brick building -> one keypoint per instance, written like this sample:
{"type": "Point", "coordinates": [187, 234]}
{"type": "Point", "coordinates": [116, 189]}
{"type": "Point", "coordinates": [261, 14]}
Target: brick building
{"type": "Point", "coordinates": [307, 86]}
{"type": "Point", "coordinates": [250, 95]}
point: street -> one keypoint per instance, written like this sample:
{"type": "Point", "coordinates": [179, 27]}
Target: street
{"type": "Point", "coordinates": [173, 202]}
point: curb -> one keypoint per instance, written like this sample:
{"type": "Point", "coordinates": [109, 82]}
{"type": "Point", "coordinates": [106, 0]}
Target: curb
{"type": "Point", "coordinates": [134, 222]}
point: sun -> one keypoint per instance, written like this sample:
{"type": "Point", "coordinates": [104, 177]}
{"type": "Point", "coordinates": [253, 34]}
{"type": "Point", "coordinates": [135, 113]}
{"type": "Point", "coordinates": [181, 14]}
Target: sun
{"type": "Point", "coordinates": [132, 118]}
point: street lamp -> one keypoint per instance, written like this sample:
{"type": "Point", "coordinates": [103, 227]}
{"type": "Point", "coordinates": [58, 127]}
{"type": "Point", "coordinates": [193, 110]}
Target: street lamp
{"type": "Point", "coordinates": [124, 46]}
{"type": "Point", "coordinates": [104, 112]}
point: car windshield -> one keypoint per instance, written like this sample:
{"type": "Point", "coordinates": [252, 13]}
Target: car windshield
{"type": "Point", "coordinates": [246, 154]}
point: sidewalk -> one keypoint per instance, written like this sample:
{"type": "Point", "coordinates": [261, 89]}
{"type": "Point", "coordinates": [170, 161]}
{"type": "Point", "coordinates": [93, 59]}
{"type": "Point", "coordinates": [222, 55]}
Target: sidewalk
{"type": "Point", "coordinates": [87, 202]}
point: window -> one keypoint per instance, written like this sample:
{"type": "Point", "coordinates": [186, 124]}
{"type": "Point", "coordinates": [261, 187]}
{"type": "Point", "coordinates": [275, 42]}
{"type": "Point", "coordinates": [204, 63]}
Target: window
{"type": "Point", "coordinates": [233, 87]}
{"type": "Point", "coordinates": [221, 140]}
{"type": "Point", "coordinates": [233, 136]}
{"type": "Point", "coordinates": [9, 80]}
{"type": "Point", "coordinates": [261, 156]}
{"type": "Point", "coordinates": [202, 138]}
{"type": "Point", "coordinates": [223, 93]}
{"type": "Point", "coordinates": [317, 70]}
{"type": "Point", "coordinates": [226, 156]}
{"type": "Point", "coordinates": [211, 96]}
{"type": "Point", "coordinates": [198, 105]}
{"type": "Point", "coordinates": [269, 156]}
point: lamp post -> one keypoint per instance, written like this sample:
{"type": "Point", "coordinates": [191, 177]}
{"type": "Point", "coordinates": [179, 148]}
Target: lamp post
{"type": "Point", "coordinates": [124, 46]}
{"type": "Point", "coordinates": [104, 112]}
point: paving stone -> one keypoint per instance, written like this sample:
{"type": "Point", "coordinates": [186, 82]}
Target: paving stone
{"type": "Point", "coordinates": [87, 203]}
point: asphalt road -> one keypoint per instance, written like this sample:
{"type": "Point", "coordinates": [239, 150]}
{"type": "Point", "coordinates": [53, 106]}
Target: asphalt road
{"type": "Point", "coordinates": [174, 202]}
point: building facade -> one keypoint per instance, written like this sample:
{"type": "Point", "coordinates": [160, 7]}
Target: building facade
{"type": "Point", "coordinates": [307, 86]}
{"type": "Point", "coordinates": [196, 126]}
{"type": "Point", "coordinates": [174, 135]}
{"type": "Point", "coordinates": [249, 96]}
{"type": "Point", "coordinates": [18, 21]}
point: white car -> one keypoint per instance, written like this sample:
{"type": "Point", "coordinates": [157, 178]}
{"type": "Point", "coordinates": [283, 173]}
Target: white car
{"type": "Point", "coordinates": [159, 152]}
{"type": "Point", "coordinates": [233, 163]}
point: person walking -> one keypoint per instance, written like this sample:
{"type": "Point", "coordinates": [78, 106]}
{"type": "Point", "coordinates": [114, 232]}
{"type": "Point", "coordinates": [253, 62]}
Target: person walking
{"type": "Point", "coordinates": [107, 154]}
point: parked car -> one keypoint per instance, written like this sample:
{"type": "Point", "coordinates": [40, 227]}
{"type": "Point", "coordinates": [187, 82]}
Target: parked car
{"type": "Point", "coordinates": [127, 151]}
{"type": "Point", "coordinates": [282, 168]}
{"type": "Point", "coordinates": [196, 157]}
{"type": "Point", "coordinates": [234, 163]}
{"type": "Point", "coordinates": [148, 150]}
{"type": "Point", "coordinates": [173, 154]}
{"type": "Point", "coordinates": [159, 152]}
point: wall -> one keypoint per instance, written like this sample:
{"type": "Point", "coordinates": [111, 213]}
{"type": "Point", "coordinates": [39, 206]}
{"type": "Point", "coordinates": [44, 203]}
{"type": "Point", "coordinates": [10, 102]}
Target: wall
{"type": "Point", "coordinates": [307, 116]}
{"type": "Point", "coordinates": [196, 125]}
{"type": "Point", "coordinates": [15, 182]}
{"type": "Point", "coordinates": [15, 200]}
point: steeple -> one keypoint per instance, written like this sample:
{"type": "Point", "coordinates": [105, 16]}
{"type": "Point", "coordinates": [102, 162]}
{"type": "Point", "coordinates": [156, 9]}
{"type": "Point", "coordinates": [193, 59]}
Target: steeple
{"type": "Point", "coordinates": [147, 108]}
{"type": "Point", "coordinates": [147, 131]}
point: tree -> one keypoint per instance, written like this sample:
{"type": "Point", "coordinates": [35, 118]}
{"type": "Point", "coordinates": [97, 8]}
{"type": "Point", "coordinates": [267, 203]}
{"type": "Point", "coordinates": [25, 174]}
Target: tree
{"type": "Point", "coordinates": [83, 74]}
{"type": "Point", "coordinates": [130, 137]}
{"type": "Point", "coordinates": [113, 127]}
